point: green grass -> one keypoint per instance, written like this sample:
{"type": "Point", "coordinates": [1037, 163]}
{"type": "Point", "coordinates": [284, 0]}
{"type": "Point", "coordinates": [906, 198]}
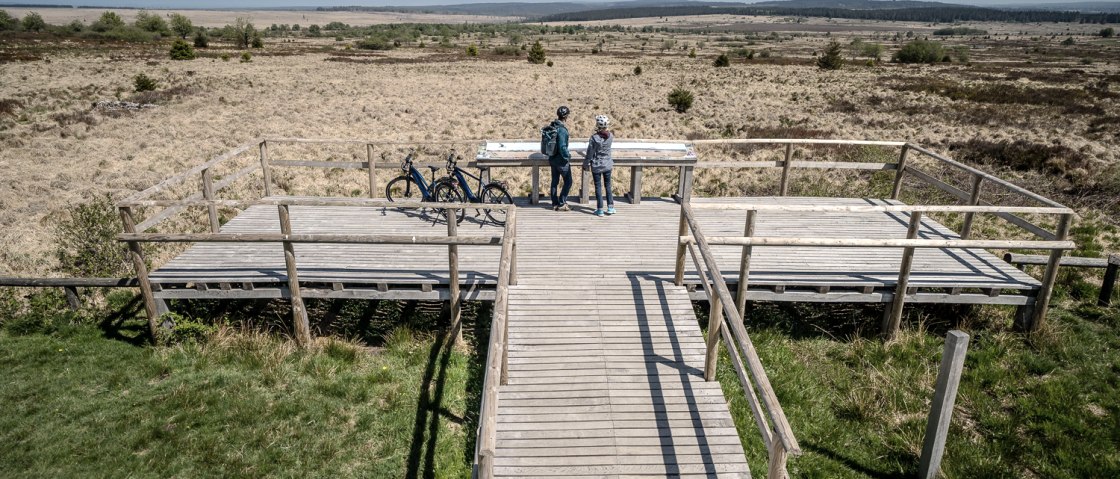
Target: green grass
{"type": "Point", "coordinates": [82, 400]}
{"type": "Point", "coordinates": [1045, 406]}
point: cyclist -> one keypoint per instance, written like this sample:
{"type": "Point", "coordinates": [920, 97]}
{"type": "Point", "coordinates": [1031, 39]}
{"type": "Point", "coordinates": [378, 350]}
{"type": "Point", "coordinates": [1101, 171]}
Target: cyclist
{"type": "Point", "coordinates": [599, 160]}
{"type": "Point", "coordinates": [561, 162]}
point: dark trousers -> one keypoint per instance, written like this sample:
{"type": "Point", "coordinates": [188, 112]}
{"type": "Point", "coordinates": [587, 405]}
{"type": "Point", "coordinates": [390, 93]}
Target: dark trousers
{"type": "Point", "coordinates": [558, 173]}
{"type": "Point", "coordinates": [603, 180]}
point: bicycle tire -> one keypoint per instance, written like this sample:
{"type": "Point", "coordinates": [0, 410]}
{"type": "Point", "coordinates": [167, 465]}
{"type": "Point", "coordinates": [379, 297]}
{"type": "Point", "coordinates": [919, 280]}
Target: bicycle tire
{"type": "Point", "coordinates": [444, 192]}
{"type": "Point", "coordinates": [402, 188]}
{"type": "Point", "coordinates": [494, 193]}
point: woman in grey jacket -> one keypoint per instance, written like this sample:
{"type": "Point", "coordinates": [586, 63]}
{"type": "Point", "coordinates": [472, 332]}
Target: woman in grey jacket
{"type": "Point", "coordinates": [599, 160]}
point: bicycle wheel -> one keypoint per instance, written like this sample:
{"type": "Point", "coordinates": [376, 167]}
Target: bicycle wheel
{"type": "Point", "coordinates": [402, 188]}
{"type": "Point", "coordinates": [494, 193]}
{"type": "Point", "coordinates": [445, 192]}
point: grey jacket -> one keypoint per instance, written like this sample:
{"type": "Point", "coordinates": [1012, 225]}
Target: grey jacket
{"type": "Point", "coordinates": [599, 153]}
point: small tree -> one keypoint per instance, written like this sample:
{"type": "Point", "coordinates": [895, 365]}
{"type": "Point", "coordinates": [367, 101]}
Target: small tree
{"type": "Point", "coordinates": [142, 83]}
{"type": "Point", "coordinates": [246, 57]}
{"type": "Point", "coordinates": [692, 53]}
{"type": "Point", "coordinates": [1108, 32]}
{"type": "Point", "coordinates": [181, 50]}
{"type": "Point", "coordinates": [831, 59]}
{"type": "Point", "coordinates": [314, 30]}
{"type": "Point", "coordinates": [637, 70]}
{"type": "Point", "coordinates": [920, 51]}
{"type": "Point", "coordinates": [8, 22]}
{"type": "Point", "coordinates": [536, 54]}
{"type": "Point", "coordinates": [181, 25]}
{"type": "Point", "coordinates": [85, 241]}
{"type": "Point", "coordinates": [108, 21]}
{"type": "Point", "coordinates": [33, 22]}
{"type": "Point", "coordinates": [150, 22]}
{"type": "Point", "coordinates": [201, 40]}
{"type": "Point", "coordinates": [680, 99]}
{"type": "Point", "coordinates": [257, 42]}
{"type": "Point", "coordinates": [722, 61]}
{"type": "Point", "coordinates": [472, 50]}
{"type": "Point", "coordinates": [243, 32]}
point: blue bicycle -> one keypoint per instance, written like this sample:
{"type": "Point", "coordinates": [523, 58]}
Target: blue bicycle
{"type": "Point", "coordinates": [493, 192]}
{"type": "Point", "coordinates": [412, 186]}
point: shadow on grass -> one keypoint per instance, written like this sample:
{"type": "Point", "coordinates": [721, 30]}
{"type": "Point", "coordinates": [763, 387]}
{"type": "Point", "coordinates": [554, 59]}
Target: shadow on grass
{"type": "Point", "coordinates": [851, 463]}
{"type": "Point", "coordinates": [125, 322]}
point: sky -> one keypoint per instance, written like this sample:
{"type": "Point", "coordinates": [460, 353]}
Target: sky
{"type": "Point", "coordinates": [247, 4]}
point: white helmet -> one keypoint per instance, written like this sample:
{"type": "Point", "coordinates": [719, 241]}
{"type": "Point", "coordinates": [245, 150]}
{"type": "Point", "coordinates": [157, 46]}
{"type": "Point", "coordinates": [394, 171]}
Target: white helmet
{"type": "Point", "coordinates": [602, 122]}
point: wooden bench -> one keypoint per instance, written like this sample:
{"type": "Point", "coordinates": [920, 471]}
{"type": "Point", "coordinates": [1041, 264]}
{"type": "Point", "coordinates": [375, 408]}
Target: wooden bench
{"type": "Point", "coordinates": [1110, 264]}
{"type": "Point", "coordinates": [635, 154]}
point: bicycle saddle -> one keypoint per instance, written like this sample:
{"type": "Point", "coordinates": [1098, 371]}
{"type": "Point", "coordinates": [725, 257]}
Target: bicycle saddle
{"type": "Point", "coordinates": [433, 168]}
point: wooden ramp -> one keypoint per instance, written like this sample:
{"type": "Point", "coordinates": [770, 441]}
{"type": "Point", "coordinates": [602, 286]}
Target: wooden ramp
{"type": "Point", "coordinates": [606, 380]}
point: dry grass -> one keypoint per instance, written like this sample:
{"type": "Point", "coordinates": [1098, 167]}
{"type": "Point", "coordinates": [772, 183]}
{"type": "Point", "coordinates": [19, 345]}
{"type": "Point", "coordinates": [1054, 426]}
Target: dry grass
{"type": "Point", "coordinates": [56, 151]}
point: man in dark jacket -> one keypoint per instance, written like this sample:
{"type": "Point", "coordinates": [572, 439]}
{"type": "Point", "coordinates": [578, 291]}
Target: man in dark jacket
{"type": "Point", "coordinates": [560, 161]}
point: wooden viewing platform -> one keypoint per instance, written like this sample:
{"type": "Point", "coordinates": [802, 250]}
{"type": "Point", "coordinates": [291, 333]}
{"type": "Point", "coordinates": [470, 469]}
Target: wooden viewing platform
{"type": "Point", "coordinates": [596, 364]}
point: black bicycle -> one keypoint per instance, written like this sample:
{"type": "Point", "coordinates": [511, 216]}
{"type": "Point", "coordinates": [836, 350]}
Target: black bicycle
{"type": "Point", "coordinates": [413, 186]}
{"type": "Point", "coordinates": [493, 192]}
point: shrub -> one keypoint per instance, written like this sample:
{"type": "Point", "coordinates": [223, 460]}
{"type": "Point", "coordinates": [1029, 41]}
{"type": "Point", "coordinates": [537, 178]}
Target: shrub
{"type": "Point", "coordinates": [722, 61]}
{"type": "Point", "coordinates": [692, 53]}
{"type": "Point", "coordinates": [201, 40]}
{"type": "Point", "coordinates": [181, 25]}
{"type": "Point", "coordinates": [942, 32]}
{"type": "Point", "coordinates": [549, 63]}
{"type": "Point", "coordinates": [257, 41]}
{"type": "Point", "coordinates": [85, 241]}
{"type": "Point", "coordinates": [375, 44]}
{"type": "Point", "coordinates": [637, 70]}
{"type": "Point", "coordinates": [506, 51]}
{"type": "Point", "coordinates": [1068, 41]}
{"type": "Point", "coordinates": [183, 329]}
{"type": "Point", "coordinates": [181, 50]}
{"type": "Point", "coordinates": [108, 21]}
{"type": "Point", "coordinates": [1108, 32]}
{"type": "Point", "coordinates": [150, 23]}
{"type": "Point", "coordinates": [225, 57]}
{"type": "Point", "coordinates": [919, 51]}
{"type": "Point", "coordinates": [246, 57]}
{"type": "Point", "coordinates": [142, 83]}
{"type": "Point", "coordinates": [33, 22]}
{"type": "Point", "coordinates": [76, 26]}
{"type": "Point", "coordinates": [314, 30]}
{"type": "Point", "coordinates": [536, 53]}
{"type": "Point", "coordinates": [8, 22]}
{"type": "Point", "coordinates": [680, 99]}
{"type": "Point", "coordinates": [831, 59]}
{"type": "Point", "coordinates": [472, 50]}
{"type": "Point", "coordinates": [242, 31]}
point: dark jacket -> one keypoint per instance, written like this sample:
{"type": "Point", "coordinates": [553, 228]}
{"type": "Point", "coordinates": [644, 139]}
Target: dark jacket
{"type": "Point", "coordinates": [562, 157]}
{"type": "Point", "coordinates": [599, 152]}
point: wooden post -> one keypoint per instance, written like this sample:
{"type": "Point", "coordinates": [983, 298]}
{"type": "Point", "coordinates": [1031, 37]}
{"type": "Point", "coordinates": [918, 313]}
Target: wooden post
{"type": "Point", "coordinates": [208, 195]}
{"type": "Point", "coordinates": [635, 185]}
{"type": "Point", "coordinates": [777, 465]}
{"type": "Point", "coordinates": [898, 174]}
{"type": "Point", "coordinates": [1109, 283]}
{"type": "Point", "coordinates": [682, 229]}
{"type": "Point", "coordinates": [453, 278]}
{"type": "Point", "coordinates": [745, 267]}
{"type": "Point", "coordinates": [715, 322]}
{"type": "Point", "coordinates": [944, 395]}
{"type": "Point", "coordinates": [299, 312]}
{"type": "Point", "coordinates": [141, 274]}
{"type": "Point", "coordinates": [265, 169]}
{"type": "Point", "coordinates": [894, 314]}
{"type": "Point", "coordinates": [973, 200]}
{"type": "Point", "coordinates": [535, 186]}
{"type": "Point", "coordinates": [72, 298]}
{"type": "Point", "coordinates": [784, 188]}
{"type": "Point", "coordinates": [684, 189]}
{"type": "Point", "coordinates": [372, 171]}
{"type": "Point", "coordinates": [584, 190]}
{"type": "Point", "coordinates": [1042, 303]}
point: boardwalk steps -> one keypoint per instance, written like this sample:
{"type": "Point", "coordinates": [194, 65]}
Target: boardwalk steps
{"type": "Point", "coordinates": [606, 380]}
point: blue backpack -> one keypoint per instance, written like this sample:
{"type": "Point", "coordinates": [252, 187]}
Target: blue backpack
{"type": "Point", "coordinates": [548, 140]}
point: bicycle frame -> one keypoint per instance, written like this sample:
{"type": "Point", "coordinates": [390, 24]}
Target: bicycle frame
{"type": "Point", "coordinates": [465, 185]}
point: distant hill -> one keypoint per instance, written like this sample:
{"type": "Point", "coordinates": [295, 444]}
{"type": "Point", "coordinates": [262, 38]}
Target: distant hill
{"type": "Point", "coordinates": [854, 4]}
{"type": "Point", "coordinates": [1087, 7]}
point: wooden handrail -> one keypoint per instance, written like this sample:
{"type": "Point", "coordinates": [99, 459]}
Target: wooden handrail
{"type": "Point", "coordinates": [1061, 210]}
{"type": "Point", "coordinates": [191, 173]}
{"type": "Point", "coordinates": [786, 443]}
{"type": "Point", "coordinates": [69, 282]}
{"type": "Point", "coordinates": [309, 238]}
{"type": "Point", "coordinates": [987, 177]}
{"type": "Point", "coordinates": [795, 141]}
{"type": "Point", "coordinates": [496, 358]}
{"type": "Point", "coordinates": [323, 201]}
{"type": "Point", "coordinates": [882, 243]}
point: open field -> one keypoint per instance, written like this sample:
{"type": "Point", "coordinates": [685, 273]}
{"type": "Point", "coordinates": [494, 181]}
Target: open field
{"type": "Point", "coordinates": [217, 18]}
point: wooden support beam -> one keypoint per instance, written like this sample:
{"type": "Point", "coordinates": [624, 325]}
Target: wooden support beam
{"type": "Point", "coordinates": [684, 186]}
{"type": "Point", "coordinates": [941, 411]}
{"type": "Point", "coordinates": [372, 170]}
{"type": "Point", "coordinates": [1050, 276]}
{"type": "Point", "coordinates": [1109, 283]}
{"type": "Point", "coordinates": [535, 186]}
{"type": "Point", "coordinates": [973, 200]}
{"type": "Point", "coordinates": [72, 298]}
{"type": "Point", "coordinates": [456, 302]}
{"type": "Point", "coordinates": [715, 323]}
{"type": "Point", "coordinates": [141, 267]}
{"type": "Point", "coordinates": [266, 170]}
{"type": "Point", "coordinates": [745, 267]}
{"type": "Point", "coordinates": [783, 188]}
{"type": "Point", "coordinates": [299, 312]}
{"type": "Point", "coordinates": [635, 185]}
{"type": "Point", "coordinates": [894, 314]}
{"type": "Point", "coordinates": [208, 195]}
{"type": "Point", "coordinates": [682, 229]}
{"type": "Point", "coordinates": [900, 172]}
{"type": "Point", "coordinates": [584, 185]}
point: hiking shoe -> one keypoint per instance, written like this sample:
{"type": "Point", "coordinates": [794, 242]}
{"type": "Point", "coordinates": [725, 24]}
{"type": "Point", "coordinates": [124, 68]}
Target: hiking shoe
{"type": "Point", "coordinates": [563, 208]}
{"type": "Point", "coordinates": [600, 213]}
{"type": "Point", "coordinates": [555, 208]}
{"type": "Point", "coordinates": [610, 210]}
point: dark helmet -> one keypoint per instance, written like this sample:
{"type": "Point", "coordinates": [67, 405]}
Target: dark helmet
{"type": "Point", "coordinates": [563, 112]}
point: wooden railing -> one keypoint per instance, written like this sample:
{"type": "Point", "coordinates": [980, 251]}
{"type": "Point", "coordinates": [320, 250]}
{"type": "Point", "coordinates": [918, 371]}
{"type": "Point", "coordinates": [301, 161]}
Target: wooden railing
{"type": "Point", "coordinates": [497, 355]}
{"type": "Point", "coordinates": [768, 414]}
{"type": "Point", "coordinates": [908, 245]}
{"type": "Point", "coordinates": [135, 238]}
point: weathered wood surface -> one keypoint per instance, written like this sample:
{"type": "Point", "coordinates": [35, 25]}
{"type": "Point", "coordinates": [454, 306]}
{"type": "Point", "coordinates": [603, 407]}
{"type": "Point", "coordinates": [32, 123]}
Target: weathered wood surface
{"type": "Point", "coordinates": [638, 240]}
{"type": "Point", "coordinates": [606, 380]}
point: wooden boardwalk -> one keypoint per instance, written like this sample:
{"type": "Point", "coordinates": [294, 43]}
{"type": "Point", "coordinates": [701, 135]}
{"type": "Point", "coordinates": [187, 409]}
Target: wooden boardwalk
{"type": "Point", "coordinates": [640, 240]}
